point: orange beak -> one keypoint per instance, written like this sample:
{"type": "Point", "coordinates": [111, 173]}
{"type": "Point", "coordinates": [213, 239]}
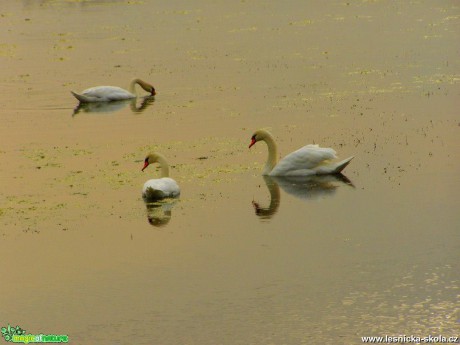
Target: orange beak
{"type": "Point", "coordinates": [146, 164]}
{"type": "Point", "coordinates": [253, 141]}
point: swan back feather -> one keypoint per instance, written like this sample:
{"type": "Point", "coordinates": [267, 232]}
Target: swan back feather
{"type": "Point", "coordinates": [161, 188]}
{"type": "Point", "coordinates": [304, 161]}
{"type": "Point", "coordinates": [103, 94]}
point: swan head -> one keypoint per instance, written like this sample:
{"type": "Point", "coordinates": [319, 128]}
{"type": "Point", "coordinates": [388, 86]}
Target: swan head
{"type": "Point", "coordinates": [150, 159]}
{"type": "Point", "coordinates": [157, 158]}
{"type": "Point", "coordinates": [149, 88]}
{"type": "Point", "coordinates": [146, 86]}
{"type": "Point", "coordinates": [258, 135]}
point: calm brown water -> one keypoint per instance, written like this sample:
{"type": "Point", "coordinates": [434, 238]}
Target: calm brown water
{"type": "Point", "coordinates": [238, 259]}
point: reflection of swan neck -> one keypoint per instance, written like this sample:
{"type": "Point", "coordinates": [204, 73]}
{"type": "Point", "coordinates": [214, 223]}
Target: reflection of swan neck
{"type": "Point", "coordinates": [159, 214]}
{"type": "Point", "coordinates": [132, 104]}
{"type": "Point", "coordinates": [274, 190]}
{"type": "Point", "coordinates": [272, 152]}
{"type": "Point", "coordinates": [144, 104]}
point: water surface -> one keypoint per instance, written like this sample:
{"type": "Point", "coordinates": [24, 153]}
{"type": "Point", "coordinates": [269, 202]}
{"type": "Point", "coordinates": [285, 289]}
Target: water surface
{"type": "Point", "coordinates": [238, 259]}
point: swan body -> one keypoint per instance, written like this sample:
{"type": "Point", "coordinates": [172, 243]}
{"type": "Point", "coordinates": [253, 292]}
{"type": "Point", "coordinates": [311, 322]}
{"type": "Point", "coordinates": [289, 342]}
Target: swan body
{"type": "Point", "coordinates": [306, 161]}
{"type": "Point", "coordinates": [163, 187]}
{"type": "Point", "coordinates": [112, 93]}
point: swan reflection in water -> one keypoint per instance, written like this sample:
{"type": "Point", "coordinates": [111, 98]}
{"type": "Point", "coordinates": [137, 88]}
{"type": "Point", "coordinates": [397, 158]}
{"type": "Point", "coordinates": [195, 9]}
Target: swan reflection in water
{"type": "Point", "coordinates": [137, 105]}
{"type": "Point", "coordinates": [302, 187]}
{"type": "Point", "coordinates": [159, 213]}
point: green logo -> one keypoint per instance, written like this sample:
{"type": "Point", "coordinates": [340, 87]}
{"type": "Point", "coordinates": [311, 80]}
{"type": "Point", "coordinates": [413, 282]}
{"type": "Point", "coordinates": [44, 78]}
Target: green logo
{"type": "Point", "coordinates": [18, 335]}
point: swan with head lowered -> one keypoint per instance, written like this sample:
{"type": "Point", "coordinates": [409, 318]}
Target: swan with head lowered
{"type": "Point", "coordinates": [112, 93]}
{"type": "Point", "coordinates": [163, 187]}
{"type": "Point", "coordinates": [308, 160]}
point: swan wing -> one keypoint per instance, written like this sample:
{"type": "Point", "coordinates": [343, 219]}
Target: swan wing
{"type": "Point", "coordinates": [304, 161]}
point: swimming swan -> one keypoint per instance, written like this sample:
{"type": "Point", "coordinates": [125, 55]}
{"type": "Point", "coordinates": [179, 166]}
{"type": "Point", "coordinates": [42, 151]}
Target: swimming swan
{"type": "Point", "coordinates": [163, 187]}
{"type": "Point", "coordinates": [308, 160]}
{"type": "Point", "coordinates": [112, 93]}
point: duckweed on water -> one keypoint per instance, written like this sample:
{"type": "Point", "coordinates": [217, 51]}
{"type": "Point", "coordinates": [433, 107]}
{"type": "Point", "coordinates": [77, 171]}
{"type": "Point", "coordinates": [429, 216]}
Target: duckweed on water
{"type": "Point", "coordinates": [31, 211]}
{"type": "Point", "coordinates": [7, 50]}
{"type": "Point", "coordinates": [50, 157]}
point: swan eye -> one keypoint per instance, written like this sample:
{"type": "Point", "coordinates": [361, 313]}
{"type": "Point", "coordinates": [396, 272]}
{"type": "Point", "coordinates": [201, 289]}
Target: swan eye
{"type": "Point", "coordinates": [253, 137]}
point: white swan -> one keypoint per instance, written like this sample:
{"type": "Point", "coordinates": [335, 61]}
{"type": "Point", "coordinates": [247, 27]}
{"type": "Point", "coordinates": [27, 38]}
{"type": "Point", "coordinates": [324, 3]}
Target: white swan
{"type": "Point", "coordinates": [308, 160]}
{"type": "Point", "coordinates": [163, 187]}
{"type": "Point", "coordinates": [112, 93]}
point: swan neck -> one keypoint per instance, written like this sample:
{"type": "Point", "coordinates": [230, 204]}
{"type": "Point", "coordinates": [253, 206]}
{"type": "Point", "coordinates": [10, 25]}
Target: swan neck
{"type": "Point", "coordinates": [164, 167]}
{"type": "Point", "coordinates": [132, 85]}
{"type": "Point", "coordinates": [272, 154]}
{"type": "Point", "coordinates": [141, 83]}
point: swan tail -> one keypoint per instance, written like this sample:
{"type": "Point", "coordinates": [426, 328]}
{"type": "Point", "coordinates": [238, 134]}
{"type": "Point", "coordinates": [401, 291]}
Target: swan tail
{"type": "Point", "coordinates": [81, 98]}
{"type": "Point", "coordinates": [341, 165]}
